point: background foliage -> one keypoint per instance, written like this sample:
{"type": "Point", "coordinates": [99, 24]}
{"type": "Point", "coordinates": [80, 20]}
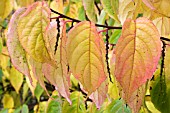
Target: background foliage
{"type": "Point", "coordinates": [17, 94]}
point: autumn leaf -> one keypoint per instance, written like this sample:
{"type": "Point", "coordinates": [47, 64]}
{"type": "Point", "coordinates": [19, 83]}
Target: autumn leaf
{"type": "Point", "coordinates": [31, 31]}
{"type": "Point", "coordinates": [16, 52]}
{"type": "Point", "coordinates": [163, 26]}
{"type": "Point", "coordinates": [127, 9]}
{"type": "Point", "coordinates": [36, 68]}
{"type": "Point", "coordinates": [59, 76]}
{"type": "Point", "coordinates": [6, 8]}
{"type": "Point", "coordinates": [137, 54]}
{"type": "Point", "coordinates": [8, 101]}
{"type": "Point", "coordinates": [136, 99]}
{"type": "Point", "coordinates": [167, 64]}
{"type": "Point", "coordinates": [159, 6]}
{"type": "Point", "coordinates": [16, 79]}
{"type": "Point", "coordinates": [85, 52]}
{"type": "Point", "coordinates": [25, 3]}
{"type": "Point", "coordinates": [100, 94]}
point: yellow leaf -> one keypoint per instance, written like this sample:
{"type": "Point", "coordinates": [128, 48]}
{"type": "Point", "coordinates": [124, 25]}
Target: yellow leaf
{"type": "Point", "coordinates": [6, 7]}
{"type": "Point", "coordinates": [86, 55]}
{"type": "Point", "coordinates": [8, 101]}
{"type": "Point", "coordinates": [167, 65]}
{"type": "Point", "coordinates": [16, 79]}
{"type": "Point", "coordinates": [32, 25]}
{"type": "Point", "coordinates": [127, 9]}
{"type": "Point", "coordinates": [163, 25]}
{"type": "Point", "coordinates": [159, 6]}
{"type": "Point", "coordinates": [24, 3]}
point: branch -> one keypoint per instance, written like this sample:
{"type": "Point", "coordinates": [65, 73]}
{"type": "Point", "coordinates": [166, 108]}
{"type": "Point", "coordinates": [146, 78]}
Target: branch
{"type": "Point", "coordinates": [165, 39]}
{"type": "Point", "coordinates": [75, 20]}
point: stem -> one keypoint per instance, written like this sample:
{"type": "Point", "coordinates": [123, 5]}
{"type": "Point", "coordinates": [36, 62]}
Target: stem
{"type": "Point", "coordinates": [75, 20]}
{"type": "Point", "coordinates": [107, 57]}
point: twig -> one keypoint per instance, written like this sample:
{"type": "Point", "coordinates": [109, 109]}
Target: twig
{"type": "Point", "coordinates": [75, 20]}
{"type": "Point", "coordinates": [166, 39]}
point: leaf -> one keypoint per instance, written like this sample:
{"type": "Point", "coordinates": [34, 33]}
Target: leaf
{"type": "Point", "coordinates": [38, 92]}
{"type": "Point", "coordinates": [117, 106]}
{"type": "Point", "coordinates": [16, 79]}
{"type": "Point", "coordinates": [59, 76]}
{"type": "Point", "coordinates": [6, 8]}
{"type": "Point", "coordinates": [115, 36]}
{"type": "Point", "coordinates": [1, 44]}
{"type": "Point", "coordinates": [136, 99]}
{"type": "Point", "coordinates": [100, 94]}
{"type": "Point", "coordinates": [8, 101]}
{"type": "Point", "coordinates": [37, 73]}
{"type": "Point", "coordinates": [163, 25]}
{"type": "Point", "coordinates": [16, 52]}
{"type": "Point", "coordinates": [85, 52]}
{"type": "Point", "coordinates": [31, 31]}
{"type": "Point", "coordinates": [78, 105]}
{"type": "Point", "coordinates": [160, 95]}
{"type": "Point", "coordinates": [167, 65]}
{"type": "Point", "coordinates": [127, 9]}
{"type": "Point", "coordinates": [137, 54]}
{"type": "Point", "coordinates": [89, 8]}
{"type": "Point", "coordinates": [24, 3]}
{"type": "Point", "coordinates": [54, 107]}
{"type": "Point", "coordinates": [111, 7]}
{"type": "Point", "coordinates": [25, 109]}
{"type": "Point", "coordinates": [159, 6]}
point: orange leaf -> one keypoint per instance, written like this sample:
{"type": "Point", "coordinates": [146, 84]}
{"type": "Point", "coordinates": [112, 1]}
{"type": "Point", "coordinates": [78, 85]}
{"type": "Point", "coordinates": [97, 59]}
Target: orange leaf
{"type": "Point", "coordinates": [86, 55]}
{"type": "Point", "coordinates": [137, 53]}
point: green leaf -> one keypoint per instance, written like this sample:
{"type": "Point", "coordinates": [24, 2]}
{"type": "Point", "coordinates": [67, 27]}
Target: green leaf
{"type": "Point", "coordinates": [4, 110]}
{"type": "Point", "coordinates": [89, 8]}
{"type": "Point", "coordinates": [117, 106]}
{"type": "Point", "coordinates": [78, 105]}
{"type": "Point", "coordinates": [115, 36]}
{"type": "Point", "coordinates": [160, 94]}
{"type": "Point", "coordinates": [111, 7]}
{"type": "Point", "coordinates": [81, 14]}
{"type": "Point", "coordinates": [25, 109]}
{"type": "Point", "coordinates": [54, 107]}
{"type": "Point", "coordinates": [38, 91]}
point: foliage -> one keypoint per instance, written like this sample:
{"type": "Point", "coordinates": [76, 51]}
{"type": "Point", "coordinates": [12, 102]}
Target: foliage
{"type": "Point", "coordinates": [94, 56]}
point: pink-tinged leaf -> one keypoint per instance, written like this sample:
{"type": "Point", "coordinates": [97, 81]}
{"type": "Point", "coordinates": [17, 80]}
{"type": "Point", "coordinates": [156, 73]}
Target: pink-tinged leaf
{"type": "Point", "coordinates": [100, 94]}
{"type": "Point", "coordinates": [136, 99]}
{"type": "Point", "coordinates": [31, 31]}
{"type": "Point", "coordinates": [16, 51]}
{"type": "Point", "coordinates": [137, 54]}
{"type": "Point", "coordinates": [163, 25]}
{"type": "Point", "coordinates": [86, 55]}
{"type": "Point", "coordinates": [59, 76]}
{"type": "Point", "coordinates": [36, 68]}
